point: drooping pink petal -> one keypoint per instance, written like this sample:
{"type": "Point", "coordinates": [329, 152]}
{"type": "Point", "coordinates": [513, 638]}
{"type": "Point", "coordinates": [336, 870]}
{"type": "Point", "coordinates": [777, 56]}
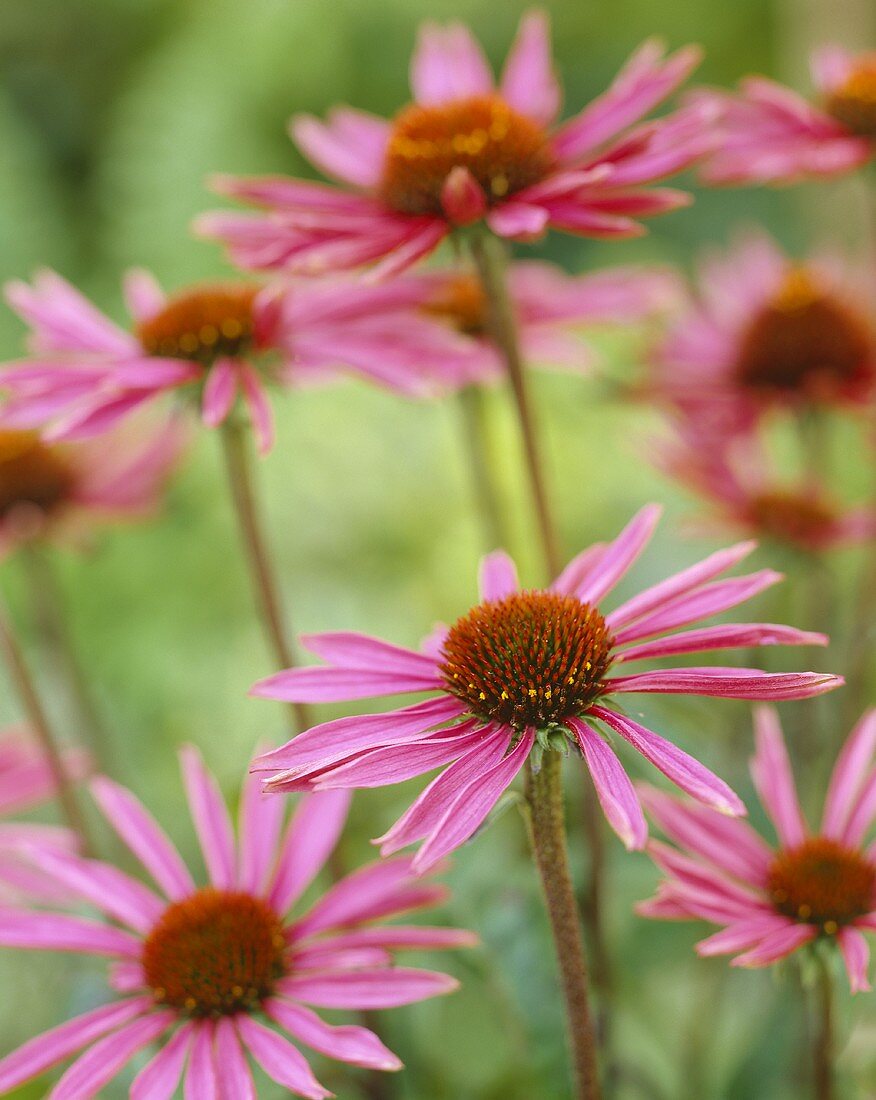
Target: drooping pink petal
{"type": "Point", "coordinates": [260, 820]}
{"type": "Point", "coordinates": [529, 84]}
{"type": "Point", "coordinates": [497, 577]}
{"type": "Point", "coordinates": [159, 1078]}
{"type": "Point", "coordinates": [404, 937]}
{"type": "Point", "coordinates": [728, 897]}
{"type": "Point", "coordinates": [51, 1047]}
{"type": "Point", "coordinates": [682, 769]}
{"type": "Point", "coordinates": [60, 932]}
{"type": "Point", "coordinates": [202, 1081]}
{"type": "Point", "coordinates": [849, 774]}
{"type": "Point", "coordinates": [310, 839]}
{"type": "Point", "coordinates": [144, 836]}
{"type": "Point", "coordinates": [613, 787]}
{"type": "Point", "coordinates": [742, 935]}
{"type": "Point", "coordinates": [345, 649]}
{"type": "Point", "coordinates": [774, 780]}
{"type": "Point", "coordinates": [234, 1071]}
{"type": "Point", "coordinates": [220, 391]}
{"type": "Point", "coordinates": [390, 987]}
{"type": "Point", "coordinates": [448, 64]}
{"type": "Point", "coordinates": [259, 407]}
{"type": "Point", "coordinates": [210, 817]}
{"type": "Point", "coordinates": [278, 1058]}
{"type": "Point", "coordinates": [472, 805]}
{"type": "Point", "coordinates": [620, 555]}
{"type": "Point", "coordinates": [856, 955]}
{"type": "Point", "coordinates": [727, 683]}
{"type": "Point", "coordinates": [777, 945]}
{"type": "Point", "coordinates": [355, 1045]}
{"type": "Point", "coordinates": [101, 1062]}
{"type": "Point", "coordinates": [725, 636]}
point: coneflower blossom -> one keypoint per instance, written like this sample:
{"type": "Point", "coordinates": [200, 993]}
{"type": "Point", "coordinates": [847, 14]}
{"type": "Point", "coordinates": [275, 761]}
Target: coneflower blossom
{"type": "Point", "coordinates": [550, 308]}
{"type": "Point", "coordinates": [774, 900]}
{"type": "Point", "coordinates": [737, 479]}
{"type": "Point", "coordinates": [770, 134]}
{"type": "Point", "coordinates": [26, 782]}
{"type": "Point", "coordinates": [466, 149]}
{"type": "Point", "coordinates": [216, 341]}
{"type": "Point", "coordinates": [528, 671]}
{"type": "Point", "coordinates": [207, 969]}
{"type": "Point", "coordinates": [61, 490]}
{"type": "Point", "coordinates": [762, 331]}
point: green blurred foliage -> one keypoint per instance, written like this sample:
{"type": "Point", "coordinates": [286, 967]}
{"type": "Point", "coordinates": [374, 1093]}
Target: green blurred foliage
{"type": "Point", "coordinates": [112, 113]}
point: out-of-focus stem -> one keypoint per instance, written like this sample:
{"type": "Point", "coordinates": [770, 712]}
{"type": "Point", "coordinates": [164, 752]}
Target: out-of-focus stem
{"type": "Point", "coordinates": [544, 792]}
{"type": "Point", "coordinates": [40, 726]}
{"type": "Point", "coordinates": [823, 1047]}
{"type": "Point", "coordinates": [57, 643]}
{"type": "Point", "coordinates": [473, 416]}
{"type": "Point", "coordinates": [265, 586]}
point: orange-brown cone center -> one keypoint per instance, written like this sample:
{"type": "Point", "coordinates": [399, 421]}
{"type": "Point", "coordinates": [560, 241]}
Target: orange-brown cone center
{"type": "Point", "coordinates": [854, 103]}
{"type": "Point", "coordinates": [214, 953]}
{"type": "Point", "coordinates": [504, 151]}
{"type": "Point", "coordinates": [792, 517]}
{"type": "Point", "coordinates": [462, 303]}
{"type": "Point", "coordinates": [531, 659]}
{"type": "Point", "coordinates": [805, 343]}
{"type": "Point", "coordinates": [822, 882]}
{"type": "Point", "coordinates": [202, 325]}
{"type": "Point", "coordinates": [32, 473]}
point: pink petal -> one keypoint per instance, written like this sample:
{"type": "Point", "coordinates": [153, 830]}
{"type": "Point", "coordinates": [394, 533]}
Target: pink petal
{"type": "Point", "coordinates": [448, 64]}
{"type": "Point", "coordinates": [345, 649]}
{"type": "Point", "coordinates": [336, 685]}
{"type": "Point", "coordinates": [233, 1068]}
{"type": "Point", "coordinates": [261, 817]}
{"type": "Point", "coordinates": [856, 955]}
{"type": "Point", "coordinates": [145, 838]}
{"type": "Point", "coordinates": [613, 787]}
{"type": "Point", "coordinates": [727, 683]}
{"type": "Point", "coordinates": [774, 780]}
{"type": "Point", "coordinates": [528, 81]}
{"type": "Point", "coordinates": [777, 945]}
{"type": "Point", "coordinates": [404, 937]}
{"type": "Point", "coordinates": [143, 295]}
{"type": "Point", "coordinates": [59, 932]}
{"type": "Point", "coordinates": [579, 569]}
{"type": "Point", "coordinates": [159, 1078]}
{"type": "Point", "coordinates": [676, 765]}
{"type": "Point", "coordinates": [46, 1050]}
{"type": "Point", "coordinates": [351, 146]}
{"type": "Point", "coordinates": [849, 774]}
{"type": "Point", "coordinates": [355, 1045]}
{"type": "Point", "coordinates": [725, 636]}
{"type": "Point", "coordinates": [620, 555]}
{"type": "Point", "coordinates": [497, 577]}
{"type": "Point", "coordinates": [210, 817]}
{"type": "Point", "coordinates": [202, 1082]}
{"type": "Point", "coordinates": [101, 1062]}
{"type": "Point", "coordinates": [705, 885]}
{"type": "Point", "coordinates": [278, 1058]}
{"type": "Point", "coordinates": [365, 989]}
{"type": "Point", "coordinates": [220, 391]}
{"type": "Point", "coordinates": [519, 221]}
{"type": "Point", "coordinates": [310, 839]}
{"type": "Point", "coordinates": [259, 408]}
{"type": "Point", "coordinates": [462, 198]}
{"type": "Point", "coordinates": [471, 807]}
{"type": "Point", "coordinates": [741, 935]}
{"type": "Point", "coordinates": [863, 813]}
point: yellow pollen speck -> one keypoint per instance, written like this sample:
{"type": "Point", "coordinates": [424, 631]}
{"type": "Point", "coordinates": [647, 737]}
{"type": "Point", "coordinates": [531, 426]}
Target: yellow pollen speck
{"type": "Point", "coordinates": [481, 695]}
{"type": "Point", "coordinates": [831, 927]}
{"type": "Point", "coordinates": [499, 185]}
{"type": "Point", "coordinates": [237, 990]}
{"type": "Point", "coordinates": [504, 695]}
{"type": "Point", "coordinates": [191, 1003]}
{"type": "Point", "coordinates": [159, 994]}
{"type": "Point", "coordinates": [188, 342]}
{"type": "Point", "coordinates": [231, 328]}
{"type": "Point", "coordinates": [208, 334]}
{"type": "Point", "coordinates": [548, 693]}
{"type": "Point", "coordinates": [804, 911]}
{"type": "Point", "coordinates": [588, 665]}
{"type": "Point", "coordinates": [532, 693]}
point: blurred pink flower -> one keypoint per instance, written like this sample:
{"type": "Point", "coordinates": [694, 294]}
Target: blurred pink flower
{"type": "Point", "coordinates": [769, 134]}
{"type": "Point", "coordinates": [747, 495]}
{"type": "Point", "coordinates": [199, 966]}
{"type": "Point", "coordinates": [84, 374]}
{"type": "Point", "coordinates": [60, 490]}
{"type": "Point", "coordinates": [465, 150]}
{"type": "Point", "coordinates": [763, 331]}
{"type": "Point", "coordinates": [550, 307]}
{"type": "Point", "coordinates": [772, 901]}
{"type": "Point", "coordinates": [528, 670]}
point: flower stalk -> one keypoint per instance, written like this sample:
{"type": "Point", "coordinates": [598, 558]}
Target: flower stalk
{"type": "Point", "coordinates": [823, 1046]}
{"type": "Point", "coordinates": [473, 417]}
{"type": "Point", "coordinates": [262, 573]}
{"type": "Point", "coordinates": [544, 793]}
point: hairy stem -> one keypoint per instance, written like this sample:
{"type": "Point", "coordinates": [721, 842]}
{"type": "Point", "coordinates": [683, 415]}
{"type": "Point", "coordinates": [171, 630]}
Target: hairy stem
{"type": "Point", "coordinates": [544, 792]}
{"type": "Point", "coordinates": [265, 586]}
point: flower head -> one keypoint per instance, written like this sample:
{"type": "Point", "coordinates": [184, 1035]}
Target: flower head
{"type": "Point", "coordinates": [769, 134]}
{"type": "Point", "coordinates": [529, 671]}
{"type": "Point", "coordinates": [762, 332]}
{"type": "Point", "coordinates": [218, 342]}
{"type": "Point", "coordinates": [773, 901]}
{"type": "Point", "coordinates": [467, 149]}
{"type": "Point", "coordinates": [204, 968]}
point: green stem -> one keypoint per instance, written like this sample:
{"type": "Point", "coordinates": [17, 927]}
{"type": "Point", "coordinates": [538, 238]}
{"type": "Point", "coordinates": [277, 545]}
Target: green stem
{"type": "Point", "coordinates": [823, 1047]}
{"type": "Point", "coordinates": [238, 464]}
{"type": "Point", "coordinates": [40, 726]}
{"type": "Point", "coordinates": [490, 260]}
{"type": "Point", "coordinates": [473, 414]}
{"type": "Point", "coordinates": [544, 792]}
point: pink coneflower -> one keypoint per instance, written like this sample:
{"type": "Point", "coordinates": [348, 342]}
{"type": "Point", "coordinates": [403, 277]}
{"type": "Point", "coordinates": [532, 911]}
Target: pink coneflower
{"type": "Point", "coordinates": [204, 968]}
{"type": "Point", "coordinates": [773, 901]}
{"type": "Point", "coordinates": [549, 307]}
{"type": "Point", "coordinates": [528, 671]}
{"type": "Point", "coordinates": [216, 341]}
{"type": "Point", "coordinates": [466, 149]}
{"type": "Point", "coordinates": [769, 134]}
{"type": "Point", "coordinates": [746, 495]}
{"type": "Point", "coordinates": [764, 331]}
{"type": "Point", "coordinates": [61, 490]}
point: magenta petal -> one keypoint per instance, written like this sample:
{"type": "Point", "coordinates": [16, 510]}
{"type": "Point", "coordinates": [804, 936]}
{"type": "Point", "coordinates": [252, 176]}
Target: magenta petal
{"type": "Point", "coordinates": [60, 932]}
{"type": "Point", "coordinates": [856, 956]}
{"type": "Point", "coordinates": [620, 555]}
{"type": "Point", "coordinates": [863, 813]}
{"type": "Point", "coordinates": [355, 1045]}
{"type": "Point", "coordinates": [202, 1081]}
{"type": "Point", "coordinates": [220, 390]}
{"type": "Point", "coordinates": [518, 221]}
{"type": "Point", "coordinates": [345, 649]}
{"type": "Point", "coordinates": [159, 1078]}
{"type": "Point", "coordinates": [260, 412]}
{"type": "Point", "coordinates": [613, 787]}
{"type": "Point", "coordinates": [339, 685]}
{"type": "Point", "coordinates": [774, 780]}
{"type": "Point", "coordinates": [848, 775]}
{"type": "Point", "coordinates": [528, 81]}
{"type": "Point", "coordinates": [381, 988]}
{"type": "Point", "coordinates": [727, 683]}
{"type": "Point", "coordinates": [210, 817]}
{"type": "Point", "coordinates": [497, 577]}
{"type": "Point", "coordinates": [281, 1061]}
{"type": "Point", "coordinates": [741, 935]}
{"type": "Point", "coordinates": [725, 636]}
{"type": "Point", "coordinates": [234, 1071]}
{"type": "Point", "coordinates": [310, 839]}
{"type": "Point", "coordinates": [578, 570]}
{"type": "Point", "coordinates": [260, 821]}
{"type": "Point", "coordinates": [682, 769]}
{"type": "Point", "coordinates": [776, 945]}
{"type": "Point", "coordinates": [448, 64]}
